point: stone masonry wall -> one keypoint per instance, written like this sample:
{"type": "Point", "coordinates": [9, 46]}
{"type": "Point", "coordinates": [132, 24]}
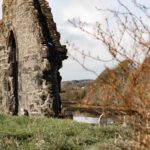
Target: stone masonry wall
{"type": "Point", "coordinates": [33, 56]}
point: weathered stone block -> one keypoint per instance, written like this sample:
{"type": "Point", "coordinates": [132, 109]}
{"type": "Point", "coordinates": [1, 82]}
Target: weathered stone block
{"type": "Point", "coordinates": [29, 44]}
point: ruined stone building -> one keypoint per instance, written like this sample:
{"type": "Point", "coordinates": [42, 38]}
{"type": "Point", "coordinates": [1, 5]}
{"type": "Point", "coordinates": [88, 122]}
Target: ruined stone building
{"type": "Point", "coordinates": [30, 58]}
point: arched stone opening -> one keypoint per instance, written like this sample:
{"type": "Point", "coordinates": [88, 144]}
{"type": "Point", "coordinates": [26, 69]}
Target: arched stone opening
{"type": "Point", "coordinates": [13, 75]}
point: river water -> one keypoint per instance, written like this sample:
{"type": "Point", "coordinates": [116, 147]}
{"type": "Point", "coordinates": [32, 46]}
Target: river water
{"type": "Point", "coordinates": [92, 120]}
{"type": "Point", "coordinates": [84, 119]}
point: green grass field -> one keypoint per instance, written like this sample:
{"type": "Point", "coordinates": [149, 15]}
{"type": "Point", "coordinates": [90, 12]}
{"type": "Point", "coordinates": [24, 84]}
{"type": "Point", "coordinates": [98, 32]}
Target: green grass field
{"type": "Point", "coordinates": [22, 133]}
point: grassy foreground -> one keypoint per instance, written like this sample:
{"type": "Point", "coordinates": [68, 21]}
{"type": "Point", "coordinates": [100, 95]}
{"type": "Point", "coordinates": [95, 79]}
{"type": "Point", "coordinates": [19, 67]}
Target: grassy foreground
{"type": "Point", "coordinates": [22, 133]}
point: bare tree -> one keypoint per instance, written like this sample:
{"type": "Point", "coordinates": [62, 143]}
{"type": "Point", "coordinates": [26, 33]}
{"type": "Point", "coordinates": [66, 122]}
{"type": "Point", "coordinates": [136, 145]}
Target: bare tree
{"type": "Point", "coordinates": [127, 37]}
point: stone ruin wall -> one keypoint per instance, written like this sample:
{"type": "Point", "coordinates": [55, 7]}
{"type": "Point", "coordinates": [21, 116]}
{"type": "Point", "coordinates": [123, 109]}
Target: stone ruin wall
{"type": "Point", "coordinates": [3, 68]}
{"type": "Point", "coordinates": [29, 42]}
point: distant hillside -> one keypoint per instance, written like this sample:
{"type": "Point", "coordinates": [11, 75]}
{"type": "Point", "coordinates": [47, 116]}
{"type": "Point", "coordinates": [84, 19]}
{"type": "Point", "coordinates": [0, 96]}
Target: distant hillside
{"type": "Point", "coordinates": [124, 87]}
{"type": "Point", "coordinates": [78, 83]}
{"type": "Point", "coordinates": [73, 91]}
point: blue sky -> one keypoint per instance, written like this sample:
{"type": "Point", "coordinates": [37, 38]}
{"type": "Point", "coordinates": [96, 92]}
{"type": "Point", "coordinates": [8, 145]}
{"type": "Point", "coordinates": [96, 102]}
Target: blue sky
{"type": "Point", "coordinates": [85, 10]}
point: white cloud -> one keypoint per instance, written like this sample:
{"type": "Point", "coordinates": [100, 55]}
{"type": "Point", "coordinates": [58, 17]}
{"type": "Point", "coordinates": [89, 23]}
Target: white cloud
{"type": "Point", "coordinates": [86, 11]}
{"type": "Point", "coordinates": [82, 10]}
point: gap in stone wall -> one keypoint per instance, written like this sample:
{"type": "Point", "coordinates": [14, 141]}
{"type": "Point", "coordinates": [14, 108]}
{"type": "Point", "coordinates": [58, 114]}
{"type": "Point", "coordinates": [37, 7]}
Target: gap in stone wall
{"type": "Point", "coordinates": [13, 74]}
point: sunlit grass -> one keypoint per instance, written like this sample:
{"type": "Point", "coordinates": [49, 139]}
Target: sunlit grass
{"type": "Point", "coordinates": [22, 133]}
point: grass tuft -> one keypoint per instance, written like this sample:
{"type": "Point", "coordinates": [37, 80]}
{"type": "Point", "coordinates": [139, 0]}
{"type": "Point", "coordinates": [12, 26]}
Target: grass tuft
{"type": "Point", "coordinates": [22, 133]}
